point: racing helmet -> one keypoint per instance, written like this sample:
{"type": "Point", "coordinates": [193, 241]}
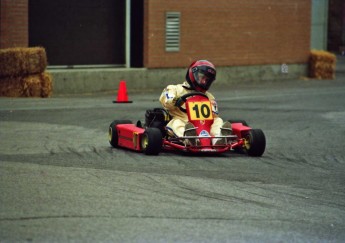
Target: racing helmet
{"type": "Point", "coordinates": [200, 75]}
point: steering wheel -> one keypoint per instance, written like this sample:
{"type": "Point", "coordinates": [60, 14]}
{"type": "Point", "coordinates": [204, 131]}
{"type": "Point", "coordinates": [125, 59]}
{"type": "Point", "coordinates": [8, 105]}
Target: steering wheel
{"type": "Point", "coordinates": [180, 101]}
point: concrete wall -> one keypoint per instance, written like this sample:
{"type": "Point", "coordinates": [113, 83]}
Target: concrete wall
{"type": "Point", "coordinates": [99, 80]}
{"type": "Point", "coordinates": [319, 23]}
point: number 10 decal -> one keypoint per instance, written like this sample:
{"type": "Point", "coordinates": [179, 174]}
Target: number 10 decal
{"type": "Point", "coordinates": [200, 110]}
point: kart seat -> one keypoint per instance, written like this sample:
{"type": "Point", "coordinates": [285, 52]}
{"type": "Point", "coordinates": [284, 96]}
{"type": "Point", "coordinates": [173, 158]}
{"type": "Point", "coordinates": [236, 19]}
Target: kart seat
{"type": "Point", "coordinates": [158, 118]}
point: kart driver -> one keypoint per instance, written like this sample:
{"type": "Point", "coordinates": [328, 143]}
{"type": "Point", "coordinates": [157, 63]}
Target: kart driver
{"type": "Point", "coordinates": [199, 77]}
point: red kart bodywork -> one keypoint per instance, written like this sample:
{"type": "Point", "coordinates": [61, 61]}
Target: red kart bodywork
{"type": "Point", "coordinates": [199, 110]}
{"type": "Point", "coordinates": [129, 136]}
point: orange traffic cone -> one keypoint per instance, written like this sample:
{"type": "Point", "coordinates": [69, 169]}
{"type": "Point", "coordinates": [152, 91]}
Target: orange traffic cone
{"type": "Point", "coordinates": [122, 96]}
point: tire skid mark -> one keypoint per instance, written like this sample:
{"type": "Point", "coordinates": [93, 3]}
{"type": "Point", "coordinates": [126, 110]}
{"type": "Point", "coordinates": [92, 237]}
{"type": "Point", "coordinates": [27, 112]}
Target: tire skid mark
{"type": "Point", "coordinates": [334, 158]}
{"type": "Point", "coordinates": [156, 184]}
{"type": "Point", "coordinates": [301, 195]}
{"type": "Point", "coordinates": [269, 158]}
{"type": "Point", "coordinates": [273, 190]}
{"type": "Point", "coordinates": [218, 196]}
{"type": "Point", "coordinates": [299, 160]}
{"type": "Point", "coordinates": [144, 217]}
{"type": "Point", "coordinates": [164, 193]}
{"type": "Point", "coordinates": [74, 151]}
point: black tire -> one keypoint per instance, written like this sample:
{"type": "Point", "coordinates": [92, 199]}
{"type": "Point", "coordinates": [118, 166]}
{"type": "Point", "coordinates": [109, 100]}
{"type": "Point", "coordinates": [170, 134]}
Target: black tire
{"type": "Point", "coordinates": [255, 143]}
{"type": "Point", "coordinates": [112, 132]}
{"type": "Point", "coordinates": [160, 126]}
{"type": "Point", "coordinates": [239, 121]}
{"type": "Point", "coordinates": [151, 141]}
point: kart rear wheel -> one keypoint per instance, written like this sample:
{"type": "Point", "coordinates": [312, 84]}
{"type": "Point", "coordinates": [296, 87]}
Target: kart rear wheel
{"type": "Point", "coordinates": [151, 141]}
{"type": "Point", "coordinates": [112, 132]}
{"type": "Point", "coordinates": [255, 143]}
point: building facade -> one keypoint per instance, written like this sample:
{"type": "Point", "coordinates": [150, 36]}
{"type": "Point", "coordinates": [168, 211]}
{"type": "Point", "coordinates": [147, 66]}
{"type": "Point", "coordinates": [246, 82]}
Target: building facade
{"type": "Point", "coordinates": [14, 25]}
{"type": "Point", "coordinates": [161, 34]}
{"type": "Point", "coordinates": [228, 32]}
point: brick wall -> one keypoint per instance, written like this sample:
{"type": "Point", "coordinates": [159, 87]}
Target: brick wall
{"type": "Point", "coordinates": [14, 23]}
{"type": "Point", "coordinates": [229, 32]}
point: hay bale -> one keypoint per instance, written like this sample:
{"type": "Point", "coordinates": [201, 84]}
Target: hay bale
{"type": "Point", "coordinates": [36, 85]}
{"type": "Point", "coordinates": [31, 86]}
{"type": "Point", "coordinates": [46, 85]}
{"type": "Point", "coordinates": [322, 64]}
{"type": "Point", "coordinates": [16, 62]}
{"type": "Point", "coordinates": [10, 87]}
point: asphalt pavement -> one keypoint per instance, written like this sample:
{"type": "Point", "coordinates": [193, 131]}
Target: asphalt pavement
{"type": "Point", "coordinates": [60, 181]}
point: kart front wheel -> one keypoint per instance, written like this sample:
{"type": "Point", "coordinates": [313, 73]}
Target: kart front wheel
{"type": "Point", "coordinates": [151, 141]}
{"type": "Point", "coordinates": [255, 143]}
{"type": "Point", "coordinates": [112, 132]}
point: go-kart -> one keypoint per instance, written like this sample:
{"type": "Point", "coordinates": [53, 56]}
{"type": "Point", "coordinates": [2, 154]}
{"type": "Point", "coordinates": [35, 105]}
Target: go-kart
{"type": "Point", "coordinates": [153, 137]}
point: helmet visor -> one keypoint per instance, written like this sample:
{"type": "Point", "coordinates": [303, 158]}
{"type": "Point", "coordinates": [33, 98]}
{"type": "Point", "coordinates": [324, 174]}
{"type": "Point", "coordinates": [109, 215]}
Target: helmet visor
{"type": "Point", "coordinates": [204, 78]}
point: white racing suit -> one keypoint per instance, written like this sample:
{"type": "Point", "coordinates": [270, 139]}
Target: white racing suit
{"type": "Point", "coordinates": [179, 119]}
